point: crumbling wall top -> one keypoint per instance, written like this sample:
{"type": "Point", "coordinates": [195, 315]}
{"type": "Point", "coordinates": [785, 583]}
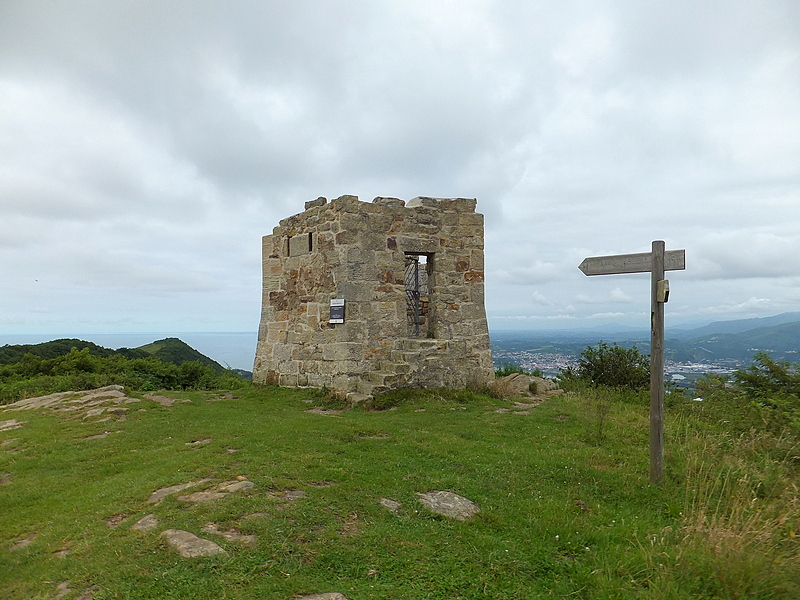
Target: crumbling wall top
{"type": "Point", "coordinates": [349, 203]}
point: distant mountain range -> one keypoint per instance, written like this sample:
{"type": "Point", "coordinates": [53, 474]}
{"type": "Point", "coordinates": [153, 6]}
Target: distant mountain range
{"type": "Point", "coordinates": [171, 350]}
{"type": "Point", "coordinates": [782, 341]}
{"type": "Point", "coordinates": [737, 340]}
{"type": "Point", "coordinates": [738, 326]}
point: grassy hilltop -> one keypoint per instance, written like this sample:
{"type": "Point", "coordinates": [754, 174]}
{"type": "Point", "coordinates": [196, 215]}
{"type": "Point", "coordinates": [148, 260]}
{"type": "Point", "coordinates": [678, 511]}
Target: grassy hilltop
{"type": "Point", "coordinates": [68, 364]}
{"type": "Point", "coordinates": [169, 350]}
{"type": "Point", "coordinates": [566, 509]}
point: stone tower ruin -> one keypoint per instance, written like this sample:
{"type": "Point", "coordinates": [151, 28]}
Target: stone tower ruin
{"type": "Point", "coordinates": [365, 297]}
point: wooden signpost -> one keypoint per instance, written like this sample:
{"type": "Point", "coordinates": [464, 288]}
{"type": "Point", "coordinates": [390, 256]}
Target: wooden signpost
{"type": "Point", "coordinates": [656, 262]}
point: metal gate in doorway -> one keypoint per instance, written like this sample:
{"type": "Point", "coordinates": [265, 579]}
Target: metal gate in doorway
{"type": "Point", "coordinates": [417, 293]}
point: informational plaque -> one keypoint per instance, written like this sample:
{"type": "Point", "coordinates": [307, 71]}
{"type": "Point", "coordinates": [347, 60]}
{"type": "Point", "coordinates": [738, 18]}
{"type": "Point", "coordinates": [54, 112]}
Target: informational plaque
{"type": "Point", "coordinates": [337, 310]}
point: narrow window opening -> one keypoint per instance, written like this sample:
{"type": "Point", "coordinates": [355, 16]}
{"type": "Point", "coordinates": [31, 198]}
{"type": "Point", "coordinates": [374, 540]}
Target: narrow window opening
{"type": "Point", "coordinates": [417, 286]}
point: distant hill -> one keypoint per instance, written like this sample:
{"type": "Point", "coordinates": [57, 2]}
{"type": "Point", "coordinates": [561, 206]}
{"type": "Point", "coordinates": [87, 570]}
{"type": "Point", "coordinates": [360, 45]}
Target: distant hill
{"type": "Point", "coordinates": [56, 348]}
{"type": "Point", "coordinates": [171, 350]}
{"type": "Point", "coordinates": [737, 326]}
{"type": "Point", "coordinates": [176, 351]}
{"type": "Point", "coordinates": [782, 342]}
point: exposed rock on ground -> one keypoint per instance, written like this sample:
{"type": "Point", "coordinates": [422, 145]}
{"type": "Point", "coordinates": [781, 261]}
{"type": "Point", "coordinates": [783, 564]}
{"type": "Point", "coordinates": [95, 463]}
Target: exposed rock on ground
{"type": "Point", "coordinates": [162, 400]}
{"type": "Point", "coordinates": [449, 504]}
{"type": "Point", "coordinates": [23, 543]}
{"type": "Point", "coordinates": [217, 492]}
{"type": "Point", "coordinates": [102, 401]}
{"type": "Point", "coordinates": [189, 545]}
{"type": "Point", "coordinates": [232, 535]}
{"type": "Point", "coordinates": [146, 523]}
{"type": "Point", "coordinates": [330, 412]}
{"type": "Point", "coordinates": [390, 504]}
{"type": "Point", "coordinates": [10, 424]}
{"type": "Point", "coordinates": [199, 442]}
{"type": "Point", "coordinates": [162, 493]}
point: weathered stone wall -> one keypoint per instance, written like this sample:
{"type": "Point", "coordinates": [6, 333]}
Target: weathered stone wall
{"type": "Point", "coordinates": [357, 251]}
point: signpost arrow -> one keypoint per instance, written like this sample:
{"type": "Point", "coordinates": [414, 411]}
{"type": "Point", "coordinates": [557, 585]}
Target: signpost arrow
{"type": "Point", "coordinates": [674, 260]}
{"type": "Point", "coordinates": [655, 262]}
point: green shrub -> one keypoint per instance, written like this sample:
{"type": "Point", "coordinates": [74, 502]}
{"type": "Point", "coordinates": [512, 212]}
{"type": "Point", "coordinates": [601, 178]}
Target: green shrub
{"type": "Point", "coordinates": [773, 385]}
{"type": "Point", "coordinates": [81, 370]}
{"type": "Point", "coordinates": [611, 366]}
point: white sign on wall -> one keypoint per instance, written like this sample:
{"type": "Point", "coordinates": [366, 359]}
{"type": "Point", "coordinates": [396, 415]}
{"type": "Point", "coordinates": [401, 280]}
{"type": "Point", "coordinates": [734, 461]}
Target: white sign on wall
{"type": "Point", "coordinates": [337, 310]}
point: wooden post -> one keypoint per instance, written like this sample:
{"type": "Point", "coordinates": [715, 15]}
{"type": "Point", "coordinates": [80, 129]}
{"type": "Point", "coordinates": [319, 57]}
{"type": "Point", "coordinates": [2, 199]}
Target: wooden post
{"type": "Point", "coordinates": [656, 261]}
{"type": "Point", "coordinates": [656, 366]}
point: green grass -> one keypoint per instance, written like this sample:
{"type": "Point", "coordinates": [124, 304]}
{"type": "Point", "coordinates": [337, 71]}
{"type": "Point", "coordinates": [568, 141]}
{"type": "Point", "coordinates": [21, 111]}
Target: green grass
{"type": "Point", "coordinates": [566, 508]}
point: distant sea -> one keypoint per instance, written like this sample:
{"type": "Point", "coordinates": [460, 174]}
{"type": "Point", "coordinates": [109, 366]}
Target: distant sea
{"type": "Point", "coordinates": [231, 349]}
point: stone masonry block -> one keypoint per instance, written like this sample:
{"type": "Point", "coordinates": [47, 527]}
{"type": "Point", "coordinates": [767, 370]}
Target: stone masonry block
{"type": "Point", "coordinates": [288, 380]}
{"type": "Point", "coordinates": [343, 351]}
{"type": "Point", "coordinates": [460, 204]}
{"type": "Point", "coordinates": [424, 201]}
{"type": "Point", "coordinates": [321, 201]}
{"type": "Point", "coordinates": [272, 284]}
{"type": "Point", "coordinates": [390, 202]}
{"type": "Point", "coordinates": [346, 237]}
{"type": "Point", "coordinates": [355, 221]}
{"type": "Point", "coordinates": [406, 243]}
{"type": "Point", "coordinates": [471, 219]}
{"type": "Point", "coordinates": [380, 223]}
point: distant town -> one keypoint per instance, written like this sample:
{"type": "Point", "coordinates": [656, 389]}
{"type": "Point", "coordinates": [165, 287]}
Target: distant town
{"type": "Point", "coordinates": [720, 347]}
{"type": "Point", "coordinates": [551, 364]}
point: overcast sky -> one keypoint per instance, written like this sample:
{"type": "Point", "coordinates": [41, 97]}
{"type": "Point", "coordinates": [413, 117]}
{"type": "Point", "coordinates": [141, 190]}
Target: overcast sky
{"type": "Point", "coordinates": [145, 148]}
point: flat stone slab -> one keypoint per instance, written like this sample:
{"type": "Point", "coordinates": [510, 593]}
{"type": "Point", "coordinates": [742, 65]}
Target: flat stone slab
{"type": "Point", "coordinates": [449, 504]}
{"type": "Point", "coordinates": [23, 543]}
{"type": "Point", "coordinates": [162, 493]}
{"type": "Point", "coordinates": [524, 405]}
{"type": "Point", "coordinates": [90, 400]}
{"type": "Point", "coordinates": [235, 486]}
{"type": "Point", "coordinates": [10, 424]}
{"type": "Point", "coordinates": [105, 393]}
{"type": "Point", "coordinates": [100, 436]}
{"type": "Point", "coordinates": [39, 401]}
{"type": "Point", "coordinates": [62, 590]}
{"type": "Point", "coordinates": [199, 442]}
{"type": "Point", "coordinates": [219, 491]}
{"type": "Point", "coordinates": [329, 412]}
{"type": "Point", "coordinates": [390, 504]}
{"type": "Point", "coordinates": [162, 400]}
{"type": "Point", "coordinates": [232, 535]}
{"type": "Point", "coordinates": [146, 523]}
{"type": "Point", "coordinates": [189, 545]}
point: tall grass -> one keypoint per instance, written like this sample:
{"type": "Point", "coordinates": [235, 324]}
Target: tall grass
{"type": "Point", "coordinates": [740, 518]}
